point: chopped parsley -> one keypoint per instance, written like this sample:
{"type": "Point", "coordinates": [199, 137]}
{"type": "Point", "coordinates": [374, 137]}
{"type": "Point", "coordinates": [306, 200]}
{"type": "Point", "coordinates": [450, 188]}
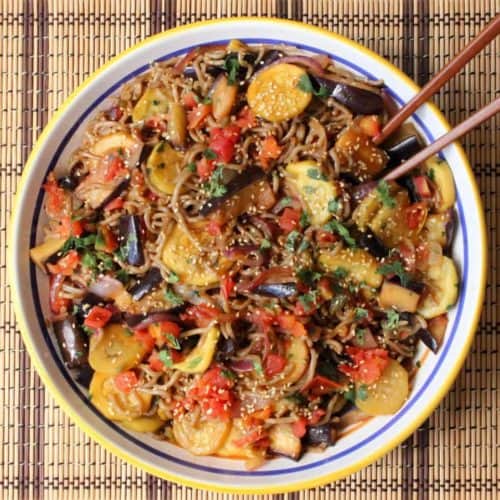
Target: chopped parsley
{"type": "Point", "coordinates": [292, 240]}
{"type": "Point", "coordinates": [308, 276]}
{"type": "Point", "coordinates": [285, 202]}
{"type": "Point", "coordinates": [166, 358]}
{"type": "Point", "coordinates": [78, 243]}
{"type": "Point", "coordinates": [308, 300]}
{"type": "Point", "coordinates": [337, 227]}
{"type": "Point", "coordinates": [360, 313]}
{"type": "Point", "coordinates": [89, 260]}
{"type": "Point", "coordinates": [350, 394]}
{"type": "Point", "coordinates": [214, 186]}
{"type": "Point", "coordinates": [173, 341]}
{"type": "Point", "coordinates": [230, 375]}
{"type": "Point", "coordinates": [431, 174]}
{"type": "Point", "coordinates": [210, 154]}
{"type": "Point", "coordinates": [360, 336]}
{"type": "Point", "coordinates": [316, 174]}
{"type": "Point", "coordinates": [334, 205]}
{"type": "Point", "coordinates": [172, 277]}
{"type": "Point", "coordinates": [304, 220]}
{"type": "Point", "coordinates": [362, 392]}
{"type": "Point", "coordinates": [306, 85]}
{"type": "Point", "coordinates": [392, 321]}
{"type": "Point", "coordinates": [297, 398]}
{"type": "Point", "coordinates": [304, 245]}
{"type": "Point", "coordinates": [265, 244]}
{"type": "Point", "coordinates": [396, 268]}
{"type": "Point", "coordinates": [89, 331]}
{"type": "Point", "coordinates": [257, 366]}
{"type": "Point", "coordinates": [340, 273]}
{"type": "Point", "coordinates": [232, 67]}
{"type": "Point", "coordinates": [191, 167]}
{"type": "Point", "coordinates": [173, 298]}
{"type": "Point", "coordinates": [385, 195]}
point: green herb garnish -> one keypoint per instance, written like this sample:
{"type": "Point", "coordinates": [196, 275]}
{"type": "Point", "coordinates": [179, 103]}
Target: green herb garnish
{"type": "Point", "coordinates": [360, 336]}
{"type": "Point", "coordinates": [173, 298]}
{"type": "Point", "coordinates": [265, 244]}
{"type": "Point", "coordinates": [214, 187]}
{"type": "Point", "coordinates": [292, 240]}
{"type": "Point", "coordinates": [362, 392]}
{"type": "Point", "coordinates": [306, 85]}
{"type": "Point", "coordinates": [385, 195]}
{"type": "Point", "coordinates": [360, 313]}
{"type": "Point", "coordinates": [257, 366]}
{"type": "Point", "coordinates": [173, 341]}
{"type": "Point", "coordinates": [340, 273]}
{"type": "Point", "coordinates": [123, 276]}
{"type": "Point", "coordinates": [431, 174]}
{"type": "Point", "coordinates": [308, 300]}
{"type": "Point", "coordinates": [89, 331]}
{"type": "Point", "coordinates": [392, 321]}
{"type": "Point", "coordinates": [308, 276]}
{"type": "Point", "coordinates": [232, 67]}
{"type": "Point", "coordinates": [166, 358]}
{"type": "Point", "coordinates": [337, 227]}
{"type": "Point", "coordinates": [334, 205]}
{"type": "Point", "coordinates": [350, 394]}
{"type": "Point", "coordinates": [316, 174]}
{"type": "Point", "coordinates": [304, 220]}
{"type": "Point", "coordinates": [228, 374]}
{"type": "Point", "coordinates": [395, 268]}
{"type": "Point", "coordinates": [210, 154]}
{"type": "Point", "coordinates": [191, 167]}
{"type": "Point", "coordinates": [172, 277]}
{"type": "Point", "coordinates": [285, 202]}
{"type": "Point", "coordinates": [297, 398]}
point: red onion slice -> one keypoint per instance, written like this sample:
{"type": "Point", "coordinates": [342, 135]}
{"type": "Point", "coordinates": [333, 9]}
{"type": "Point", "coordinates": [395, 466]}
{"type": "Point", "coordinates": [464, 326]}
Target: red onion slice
{"type": "Point", "coordinates": [308, 62]}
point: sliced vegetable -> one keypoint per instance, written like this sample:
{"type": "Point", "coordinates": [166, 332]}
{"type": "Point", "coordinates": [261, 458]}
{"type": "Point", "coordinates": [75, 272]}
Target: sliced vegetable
{"type": "Point", "coordinates": [440, 173]}
{"type": "Point", "coordinates": [321, 435]}
{"type": "Point", "coordinates": [393, 295]}
{"type": "Point", "coordinates": [163, 166]}
{"type": "Point", "coordinates": [146, 284]}
{"type": "Point", "coordinates": [274, 93]}
{"type": "Point", "coordinates": [152, 103]}
{"type": "Point", "coordinates": [198, 115]}
{"type": "Point", "coordinates": [428, 339]}
{"type": "Point", "coordinates": [359, 264]}
{"type": "Point", "coordinates": [297, 355]}
{"type": "Point", "coordinates": [115, 404]}
{"type": "Point", "coordinates": [199, 359]}
{"type": "Point", "coordinates": [315, 189]}
{"type": "Point", "coordinates": [440, 228]}
{"type": "Point", "coordinates": [269, 150]}
{"type": "Point", "coordinates": [131, 239]}
{"type": "Point", "coordinates": [279, 290]}
{"type": "Point", "coordinates": [58, 303]}
{"type": "Point", "coordinates": [144, 424]}
{"type": "Point", "coordinates": [284, 442]}
{"type": "Point", "coordinates": [231, 448]}
{"type": "Point", "coordinates": [41, 253]}
{"type": "Point", "coordinates": [177, 124]}
{"type": "Point", "coordinates": [115, 350]}
{"type": "Point", "coordinates": [443, 289]}
{"type": "Point", "coordinates": [97, 317]}
{"type": "Point", "coordinates": [387, 395]}
{"type": "Point", "coordinates": [72, 341]}
{"type": "Point", "coordinates": [359, 101]}
{"type": "Point", "coordinates": [403, 150]}
{"type": "Point", "coordinates": [437, 326]}
{"type": "Point", "coordinates": [200, 436]}
{"type": "Point", "coordinates": [223, 97]}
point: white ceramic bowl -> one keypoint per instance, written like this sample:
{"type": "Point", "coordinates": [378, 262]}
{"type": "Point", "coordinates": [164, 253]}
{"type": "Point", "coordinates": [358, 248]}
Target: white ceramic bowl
{"type": "Point", "coordinates": [360, 447]}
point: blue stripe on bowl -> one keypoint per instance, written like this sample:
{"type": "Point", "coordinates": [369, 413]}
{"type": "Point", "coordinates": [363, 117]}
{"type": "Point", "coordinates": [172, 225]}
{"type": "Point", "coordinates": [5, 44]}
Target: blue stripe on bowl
{"type": "Point", "coordinates": [52, 349]}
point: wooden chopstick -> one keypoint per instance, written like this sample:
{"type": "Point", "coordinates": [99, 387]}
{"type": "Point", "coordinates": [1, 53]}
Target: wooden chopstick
{"type": "Point", "coordinates": [451, 69]}
{"type": "Point", "coordinates": [473, 121]}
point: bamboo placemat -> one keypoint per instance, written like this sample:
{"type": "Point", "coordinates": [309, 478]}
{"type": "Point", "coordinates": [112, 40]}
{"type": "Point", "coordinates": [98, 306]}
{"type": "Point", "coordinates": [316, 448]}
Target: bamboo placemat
{"type": "Point", "coordinates": [47, 48]}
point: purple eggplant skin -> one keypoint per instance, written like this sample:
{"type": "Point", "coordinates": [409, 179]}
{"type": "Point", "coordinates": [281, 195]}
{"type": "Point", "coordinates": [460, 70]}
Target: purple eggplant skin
{"type": "Point", "coordinates": [76, 175]}
{"type": "Point", "coordinates": [450, 230]}
{"type": "Point", "coordinates": [270, 57]}
{"type": "Point", "coordinates": [146, 284]}
{"type": "Point", "coordinates": [115, 193]}
{"type": "Point", "coordinates": [369, 241]}
{"type": "Point", "coordinates": [400, 152]}
{"type": "Point", "coordinates": [278, 290]}
{"type": "Point", "coordinates": [140, 321]}
{"type": "Point", "coordinates": [317, 435]}
{"type": "Point", "coordinates": [249, 176]}
{"type": "Point", "coordinates": [428, 339]}
{"type": "Point", "coordinates": [130, 239]}
{"type": "Point", "coordinates": [84, 375]}
{"type": "Point", "coordinates": [226, 348]}
{"type": "Point", "coordinates": [72, 342]}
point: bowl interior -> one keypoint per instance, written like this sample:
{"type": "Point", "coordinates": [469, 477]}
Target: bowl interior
{"type": "Point", "coordinates": [359, 446]}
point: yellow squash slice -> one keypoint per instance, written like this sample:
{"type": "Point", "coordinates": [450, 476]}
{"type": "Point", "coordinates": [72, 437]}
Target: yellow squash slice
{"type": "Point", "coordinates": [42, 252]}
{"type": "Point", "coordinates": [315, 191]}
{"type": "Point", "coordinates": [297, 355]}
{"type": "Point", "coordinates": [163, 166]}
{"type": "Point", "coordinates": [152, 103]}
{"type": "Point", "coordinates": [144, 424]}
{"type": "Point", "coordinates": [440, 173]}
{"type": "Point", "coordinates": [274, 94]}
{"type": "Point", "coordinates": [199, 359]}
{"type": "Point", "coordinates": [230, 449]}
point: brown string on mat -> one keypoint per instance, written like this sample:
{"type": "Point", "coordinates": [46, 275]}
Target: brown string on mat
{"type": "Point", "coordinates": [489, 33]}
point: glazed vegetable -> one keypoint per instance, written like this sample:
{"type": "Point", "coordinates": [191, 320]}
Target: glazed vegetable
{"type": "Point", "coordinates": [323, 435]}
{"type": "Point", "coordinates": [280, 290]}
{"type": "Point", "coordinates": [284, 441]}
{"type": "Point", "coordinates": [275, 94]}
{"type": "Point", "coordinates": [144, 424]}
{"type": "Point", "coordinates": [177, 124]}
{"type": "Point", "coordinates": [297, 355]}
{"type": "Point", "coordinates": [154, 102]}
{"type": "Point", "coordinates": [72, 342]}
{"type": "Point", "coordinates": [387, 395]}
{"type": "Point", "coordinates": [44, 251]}
{"type": "Point", "coordinates": [115, 350]}
{"type": "Point", "coordinates": [223, 97]}
{"type": "Point", "coordinates": [233, 447]}
{"type": "Point", "coordinates": [440, 174]}
{"type": "Point", "coordinates": [163, 166]}
{"type": "Point", "coordinates": [131, 239]}
{"type": "Point", "coordinates": [146, 284]}
{"type": "Point", "coordinates": [316, 191]}
{"type": "Point", "coordinates": [393, 295]}
{"type": "Point", "coordinates": [358, 100]}
{"type": "Point", "coordinates": [403, 150]}
{"type": "Point", "coordinates": [199, 359]}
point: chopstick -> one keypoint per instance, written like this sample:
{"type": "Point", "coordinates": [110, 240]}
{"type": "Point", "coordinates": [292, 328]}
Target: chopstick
{"type": "Point", "coordinates": [451, 69]}
{"type": "Point", "coordinates": [473, 121]}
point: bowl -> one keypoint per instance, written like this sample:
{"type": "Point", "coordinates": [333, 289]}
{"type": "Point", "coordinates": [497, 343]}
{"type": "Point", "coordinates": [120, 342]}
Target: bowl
{"type": "Point", "coordinates": [365, 442]}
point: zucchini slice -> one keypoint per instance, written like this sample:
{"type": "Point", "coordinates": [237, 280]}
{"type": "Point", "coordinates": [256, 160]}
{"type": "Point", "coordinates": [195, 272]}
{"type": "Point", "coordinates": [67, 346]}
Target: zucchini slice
{"type": "Point", "coordinates": [274, 93]}
{"type": "Point", "coordinates": [440, 173]}
{"type": "Point", "coordinates": [152, 103]}
{"type": "Point", "coordinates": [284, 441]}
{"type": "Point", "coordinates": [393, 295]}
{"type": "Point", "coordinates": [163, 167]}
{"type": "Point", "coordinates": [144, 424]}
{"type": "Point", "coordinates": [230, 449]}
{"type": "Point", "coordinates": [315, 191]}
{"type": "Point", "coordinates": [199, 359]}
{"type": "Point", "coordinates": [297, 355]}
{"type": "Point", "coordinates": [42, 252]}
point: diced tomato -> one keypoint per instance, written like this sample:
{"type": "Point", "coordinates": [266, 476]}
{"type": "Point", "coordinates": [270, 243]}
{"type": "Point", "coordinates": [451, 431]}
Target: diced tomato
{"type": "Point", "coordinates": [198, 115]}
{"type": "Point", "coordinates": [65, 265]}
{"type": "Point", "coordinates": [320, 385]}
{"type": "Point", "coordinates": [246, 118]}
{"type": "Point", "coordinates": [77, 228]}
{"type": "Point", "coordinates": [231, 132]}
{"type": "Point", "coordinates": [201, 314]}
{"type": "Point", "coordinates": [369, 364]}
{"type": "Point", "coordinates": [299, 427]}
{"type": "Point", "coordinates": [316, 416]}
{"type": "Point", "coordinates": [145, 338]}
{"type": "Point", "coordinates": [98, 317]}
{"type": "Point", "coordinates": [205, 167]}
{"type": "Point", "coordinates": [325, 237]}
{"type": "Point", "coordinates": [263, 319]}
{"type": "Point", "coordinates": [422, 186]}
{"type": "Point", "coordinates": [56, 302]}
{"type": "Point", "coordinates": [214, 228]}
{"type": "Point", "coordinates": [263, 414]}
{"type": "Point", "coordinates": [155, 363]}
{"type": "Point", "coordinates": [126, 381]}
{"type": "Point", "coordinates": [325, 288]}
{"type": "Point", "coordinates": [274, 364]}
{"type": "Point", "coordinates": [107, 241]}
{"type": "Point", "coordinates": [269, 150]}
{"type": "Point", "coordinates": [189, 100]}
{"type": "Point", "coordinates": [170, 328]}
{"type": "Point", "coordinates": [370, 125]}
{"type": "Point", "coordinates": [114, 113]}
{"type": "Point", "coordinates": [415, 215]}
{"type": "Point", "coordinates": [115, 204]}
{"type": "Point", "coordinates": [115, 168]}
{"type": "Point", "coordinates": [250, 438]}
{"type": "Point", "coordinates": [227, 287]}
{"type": "Point", "coordinates": [137, 178]}
{"type": "Point", "coordinates": [289, 219]}
{"type": "Point", "coordinates": [291, 325]}
{"type": "Point", "coordinates": [56, 197]}
{"type": "Point", "coordinates": [223, 141]}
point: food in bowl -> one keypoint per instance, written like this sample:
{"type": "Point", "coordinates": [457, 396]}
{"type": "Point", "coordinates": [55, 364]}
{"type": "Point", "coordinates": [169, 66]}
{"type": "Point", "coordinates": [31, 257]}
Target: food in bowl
{"type": "Point", "coordinates": [225, 268]}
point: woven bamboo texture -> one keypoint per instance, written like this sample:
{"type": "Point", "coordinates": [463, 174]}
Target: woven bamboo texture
{"type": "Point", "coordinates": [48, 48]}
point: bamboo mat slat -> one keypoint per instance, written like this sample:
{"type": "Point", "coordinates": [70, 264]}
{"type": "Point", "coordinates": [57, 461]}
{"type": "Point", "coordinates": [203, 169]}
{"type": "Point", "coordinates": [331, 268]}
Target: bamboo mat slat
{"type": "Point", "coordinates": [48, 47]}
